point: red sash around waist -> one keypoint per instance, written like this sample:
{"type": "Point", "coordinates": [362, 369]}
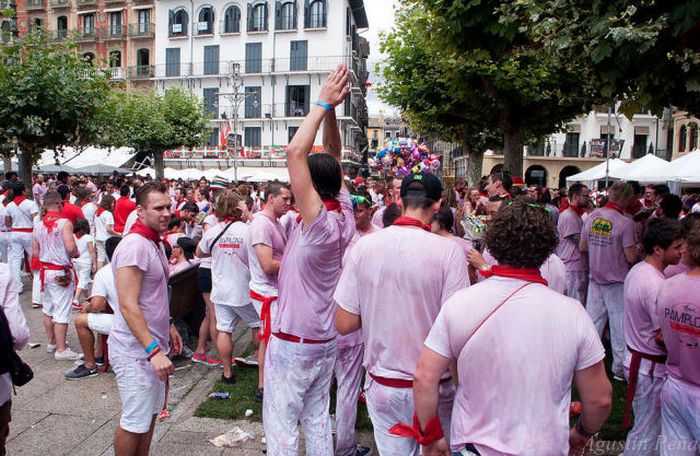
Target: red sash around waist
{"type": "Point", "coordinates": [22, 230]}
{"type": "Point", "coordinates": [398, 382]}
{"type": "Point", "coordinates": [299, 340]}
{"type": "Point", "coordinates": [634, 373]}
{"type": "Point", "coordinates": [55, 267]}
{"type": "Point", "coordinates": [265, 317]}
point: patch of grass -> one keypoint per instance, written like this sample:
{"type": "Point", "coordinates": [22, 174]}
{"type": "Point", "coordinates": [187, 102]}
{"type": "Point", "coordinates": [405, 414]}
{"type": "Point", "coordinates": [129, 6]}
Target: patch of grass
{"type": "Point", "coordinates": [242, 397]}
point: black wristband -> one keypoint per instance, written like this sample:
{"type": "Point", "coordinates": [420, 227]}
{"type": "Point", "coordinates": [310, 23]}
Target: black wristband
{"type": "Point", "coordinates": [583, 431]}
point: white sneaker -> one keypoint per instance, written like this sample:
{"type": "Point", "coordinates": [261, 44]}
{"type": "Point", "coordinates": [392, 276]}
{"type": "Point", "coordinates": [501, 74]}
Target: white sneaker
{"type": "Point", "coordinates": [50, 348]}
{"type": "Point", "coordinates": [67, 355]}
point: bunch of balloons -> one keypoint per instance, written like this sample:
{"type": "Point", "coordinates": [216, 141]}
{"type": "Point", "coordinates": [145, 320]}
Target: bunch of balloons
{"type": "Point", "coordinates": [403, 156]}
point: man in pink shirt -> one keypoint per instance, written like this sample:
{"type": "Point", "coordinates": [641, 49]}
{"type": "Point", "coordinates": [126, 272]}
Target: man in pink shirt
{"type": "Point", "coordinates": [569, 227]}
{"type": "Point", "coordinates": [265, 250]}
{"type": "Point", "coordinates": [393, 194]}
{"type": "Point", "coordinates": [645, 367]}
{"type": "Point", "coordinates": [302, 350]}
{"type": "Point", "coordinates": [609, 240]}
{"type": "Point", "coordinates": [395, 301]}
{"type": "Point", "coordinates": [141, 335]}
{"type": "Point", "coordinates": [518, 345]}
{"type": "Point", "coordinates": [678, 310]}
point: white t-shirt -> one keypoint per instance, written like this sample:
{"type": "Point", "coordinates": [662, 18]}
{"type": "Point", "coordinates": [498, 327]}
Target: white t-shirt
{"type": "Point", "coordinates": [82, 243]}
{"type": "Point", "coordinates": [104, 285]}
{"type": "Point", "coordinates": [268, 232]}
{"type": "Point", "coordinates": [22, 216]}
{"type": "Point", "coordinates": [130, 220]}
{"type": "Point", "coordinates": [101, 222]}
{"type": "Point", "coordinates": [229, 266]}
{"type": "Point", "coordinates": [520, 363]}
{"type": "Point", "coordinates": [89, 209]}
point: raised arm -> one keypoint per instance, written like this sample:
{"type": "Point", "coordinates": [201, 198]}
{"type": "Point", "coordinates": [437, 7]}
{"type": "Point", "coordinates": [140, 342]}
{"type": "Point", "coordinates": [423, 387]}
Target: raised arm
{"type": "Point", "coordinates": [331, 135]}
{"type": "Point", "coordinates": [333, 93]}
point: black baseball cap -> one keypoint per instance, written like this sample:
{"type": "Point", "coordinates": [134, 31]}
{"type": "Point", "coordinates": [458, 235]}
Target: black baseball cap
{"type": "Point", "coordinates": [422, 184]}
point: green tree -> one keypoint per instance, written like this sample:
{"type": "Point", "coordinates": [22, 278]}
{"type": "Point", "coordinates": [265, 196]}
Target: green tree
{"type": "Point", "coordinates": [487, 67]}
{"type": "Point", "coordinates": [49, 97]}
{"type": "Point", "coordinates": [155, 123]}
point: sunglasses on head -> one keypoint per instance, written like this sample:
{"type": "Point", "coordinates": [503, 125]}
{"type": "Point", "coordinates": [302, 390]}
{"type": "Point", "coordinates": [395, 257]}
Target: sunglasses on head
{"type": "Point", "coordinates": [356, 199]}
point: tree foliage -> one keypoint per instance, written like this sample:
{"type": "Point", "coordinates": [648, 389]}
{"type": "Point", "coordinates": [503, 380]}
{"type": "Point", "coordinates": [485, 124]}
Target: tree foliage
{"type": "Point", "coordinates": [49, 97]}
{"type": "Point", "coordinates": [155, 122]}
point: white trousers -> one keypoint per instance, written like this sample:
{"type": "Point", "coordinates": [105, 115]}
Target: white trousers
{"type": "Point", "coordinates": [20, 243]}
{"type": "Point", "coordinates": [348, 374]}
{"type": "Point", "coordinates": [642, 438]}
{"type": "Point", "coordinates": [388, 406]}
{"type": "Point", "coordinates": [680, 419]}
{"type": "Point", "coordinates": [4, 246]}
{"type": "Point", "coordinates": [37, 295]}
{"type": "Point", "coordinates": [577, 285]}
{"type": "Point", "coordinates": [605, 302]}
{"type": "Point", "coordinates": [297, 390]}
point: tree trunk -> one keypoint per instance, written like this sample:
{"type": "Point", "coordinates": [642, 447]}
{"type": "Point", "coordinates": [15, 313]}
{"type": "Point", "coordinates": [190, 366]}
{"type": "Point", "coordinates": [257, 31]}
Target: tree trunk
{"type": "Point", "coordinates": [475, 161]}
{"type": "Point", "coordinates": [25, 170]}
{"type": "Point", "coordinates": [513, 142]}
{"type": "Point", "coordinates": [7, 162]}
{"type": "Point", "coordinates": [159, 164]}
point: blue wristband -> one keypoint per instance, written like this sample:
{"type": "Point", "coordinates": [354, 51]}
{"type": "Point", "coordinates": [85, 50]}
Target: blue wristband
{"type": "Point", "coordinates": [323, 104]}
{"type": "Point", "coordinates": [151, 347]}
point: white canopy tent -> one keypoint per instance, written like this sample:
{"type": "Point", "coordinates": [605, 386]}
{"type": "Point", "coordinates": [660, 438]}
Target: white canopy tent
{"type": "Point", "coordinates": [245, 174]}
{"type": "Point", "coordinates": [685, 169]}
{"type": "Point", "coordinates": [649, 169]}
{"type": "Point", "coordinates": [598, 172]}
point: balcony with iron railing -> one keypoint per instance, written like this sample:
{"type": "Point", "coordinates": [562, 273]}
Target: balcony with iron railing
{"type": "Point", "coordinates": [57, 35]}
{"type": "Point", "coordinates": [141, 72]}
{"type": "Point", "coordinates": [86, 3]}
{"type": "Point", "coordinates": [32, 5]}
{"type": "Point", "coordinates": [86, 35]}
{"type": "Point", "coordinates": [142, 30]}
{"type": "Point", "coordinates": [60, 4]}
{"type": "Point", "coordinates": [114, 2]}
{"type": "Point", "coordinates": [113, 32]}
{"type": "Point", "coordinates": [117, 73]}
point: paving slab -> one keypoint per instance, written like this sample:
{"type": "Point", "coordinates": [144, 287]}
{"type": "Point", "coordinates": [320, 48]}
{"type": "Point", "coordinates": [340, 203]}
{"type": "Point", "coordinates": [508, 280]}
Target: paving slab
{"type": "Point", "coordinates": [54, 435]}
{"type": "Point", "coordinates": [22, 420]}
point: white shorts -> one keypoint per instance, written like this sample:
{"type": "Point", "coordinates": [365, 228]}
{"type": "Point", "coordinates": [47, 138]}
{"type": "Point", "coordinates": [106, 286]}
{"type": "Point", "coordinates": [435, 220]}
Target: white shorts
{"type": "Point", "coordinates": [101, 252]}
{"type": "Point", "coordinates": [83, 271]}
{"type": "Point", "coordinates": [56, 299]}
{"type": "Point", "coordinates": [100, 322]}
{"type": "Point", "coordinates": [227, 317]}
{"type": "Point", "coordinates": [141, 391]}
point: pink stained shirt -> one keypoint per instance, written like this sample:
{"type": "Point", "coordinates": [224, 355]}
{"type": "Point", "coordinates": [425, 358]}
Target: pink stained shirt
{"type": "Point", "coordinates": [310, 271]}
{"type": "Point", "coordinates": [397, 280]}
{"type": "Point", "coordinates": [678, 309]}
{"type": "Point", "coordinates": [608, 233]}
{"type": "Point", "coordinates": [136, 250]}
{"type": "Point", "coordinates": [639, 313]}
{"type": "Point", "coordinates": [521, 360]}
{"type": "Point", "coordinates": [9, 301]}
{"type": "Point", "coordinates": [265, 231]}
{"type": "Point", "coordinates": [675, 269]}
{"type": "Point", "coordinates": [570, 226]}
{"type": "Point", "coordinates": [552, 270]}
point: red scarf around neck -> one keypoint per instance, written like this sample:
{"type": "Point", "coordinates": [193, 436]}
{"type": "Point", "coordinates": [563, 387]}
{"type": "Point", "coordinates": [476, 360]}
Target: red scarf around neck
{"type": "Point", "coordinates": [330, 204]}
{"type": "Point", "coordinates": [578, 210]}
{"type": "Point", "coordinates": [613, 205]}
{"type": "Point", "coordinates": [50, 220]}
{"type": "Point", "coordinates": [232, 219]}
{"type": "Point", "coordinates": [410, 221]}
{"type": "Point", "coordinates": [526, 274]}
{"type": "Point", "coordinates": [79, 235]}
{"type": "Point", "coordinates": [18, 199]}
{"type": "Point", "coordinates": [146, 231]}
{"type": "Point", "coordinates": [100, 210]}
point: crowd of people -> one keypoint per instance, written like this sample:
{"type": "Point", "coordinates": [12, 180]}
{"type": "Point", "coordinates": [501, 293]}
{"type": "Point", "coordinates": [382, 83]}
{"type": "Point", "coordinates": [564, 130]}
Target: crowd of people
{"type": "Point", "coordinates": [462, 340]}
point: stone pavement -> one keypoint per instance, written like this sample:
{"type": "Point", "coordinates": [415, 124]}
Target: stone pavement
{"type": "Point", "coordinates": [54, 416]}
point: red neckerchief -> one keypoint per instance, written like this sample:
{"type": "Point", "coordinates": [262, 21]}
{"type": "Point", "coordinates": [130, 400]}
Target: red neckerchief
{"type": "Point", "coordinates": [84, 202]}
{"type": "Point", "coordinates": [578, 210]}
{"type": "Point", "coordinates": [331, 205]}
{"type": "Point", "coordinates": [18, 199]}
{"type": "Point", "coordinates": [79, 235]}
{"type": "Point", "coordinates": [614, 206]}
{"type": "Point", "coordinates": [409, 221]}
{"type": "Point", "coordinates": [526, 274]}
{"type": "Point", "coordinates": [636, 207]}
{"type": "Point", "coordinates": [100, 210]}
{"type": "Point", "coordinates": [50, 220]}
{"type": "Point", "coordinates": [231, 219]}
{"type": "Point", "coordinates": [146, 231]}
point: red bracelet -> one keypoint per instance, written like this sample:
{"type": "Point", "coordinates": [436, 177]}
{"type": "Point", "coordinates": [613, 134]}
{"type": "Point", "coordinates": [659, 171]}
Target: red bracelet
{"type": "Point", "coordinates": [432, 433]}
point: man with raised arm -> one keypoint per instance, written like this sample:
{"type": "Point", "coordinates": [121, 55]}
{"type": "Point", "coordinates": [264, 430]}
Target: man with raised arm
{"type": "Point", "coordinates": [302, 350]}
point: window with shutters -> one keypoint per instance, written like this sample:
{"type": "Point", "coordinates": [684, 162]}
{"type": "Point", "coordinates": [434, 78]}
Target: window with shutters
{"type": "Point", "coordinates": [298, 100]}
{"type": "Point", "coordinates": [571, 148]}
{"type": "Point", "coordinates": [115, 24]}
{"type": "Point", "coordinates": [252, 102]}
{"type": "Point", "coordinates": [257, 17]}
{"type": "Point", "coordinates": [211, 101]}
{"type": "Point", "coordinates": [213, 139]}
{"type": "Point", "coordinates": [211, 59]}
{"type": "Point", "coordinates": [682, 138]}
{"type": "Point", "coordinates": [172, 62]}
{"type": "Point", "coordinates": [179, 21]}
{"type": "Point", "coordinates": [252, 137]}
{"type": "Point", "coordinates": [232, 20]}
{"type": "Point", "coordinates": [88, 23]}
{"type": "Point", "coordinates": [315, 14]}
{"type": "Point", "coordinates": [253, 57]}
{"type": "Point", "coordinates": [205, 25]}
{"type": "Point", "coordinates": [298, 56]}
{"type": "Point", "coordinates": [115, 59]}
{"type": "Point", "coordinates": [287, 16]}
{"type": "Point", "coordinates": [62, 26]}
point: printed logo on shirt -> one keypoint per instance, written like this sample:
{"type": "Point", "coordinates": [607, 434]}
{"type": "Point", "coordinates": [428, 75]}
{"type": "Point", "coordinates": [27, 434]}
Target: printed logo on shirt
{"type": "Point", "coordinates": [602, 227]}
{"type": "Point", "coordinates": [683, 319]}
{"type": "Point", "coordinates": [230, 242]}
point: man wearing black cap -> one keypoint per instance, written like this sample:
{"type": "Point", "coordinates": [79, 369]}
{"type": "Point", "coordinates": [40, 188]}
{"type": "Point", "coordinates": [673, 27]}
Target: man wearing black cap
{"type": "Point", "coordinates": [395, 301]}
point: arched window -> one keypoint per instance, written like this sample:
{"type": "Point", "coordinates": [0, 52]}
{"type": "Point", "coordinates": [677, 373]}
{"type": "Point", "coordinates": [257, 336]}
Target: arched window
{"type": "Point", "coordinates": [232, 20]}
{"type": "Point", "coordinates": [179, 21]}
{"type": "Point", "coordinates": [316, 14]}
{"type": "Point", "coordinates": [115, 59]}
{"type": "Point", "coordinates": [692, 136]}
{"type": "Point", "coordinates": [257, 17]}
{"type": "Point", "coordinates": [682, 138]}
{"type": "Point", "coordinates": [206, 21]}
{"type": "Point", "coordinates": [287, 17]}
{"type": "Point", "coordinates": [62, 26]}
